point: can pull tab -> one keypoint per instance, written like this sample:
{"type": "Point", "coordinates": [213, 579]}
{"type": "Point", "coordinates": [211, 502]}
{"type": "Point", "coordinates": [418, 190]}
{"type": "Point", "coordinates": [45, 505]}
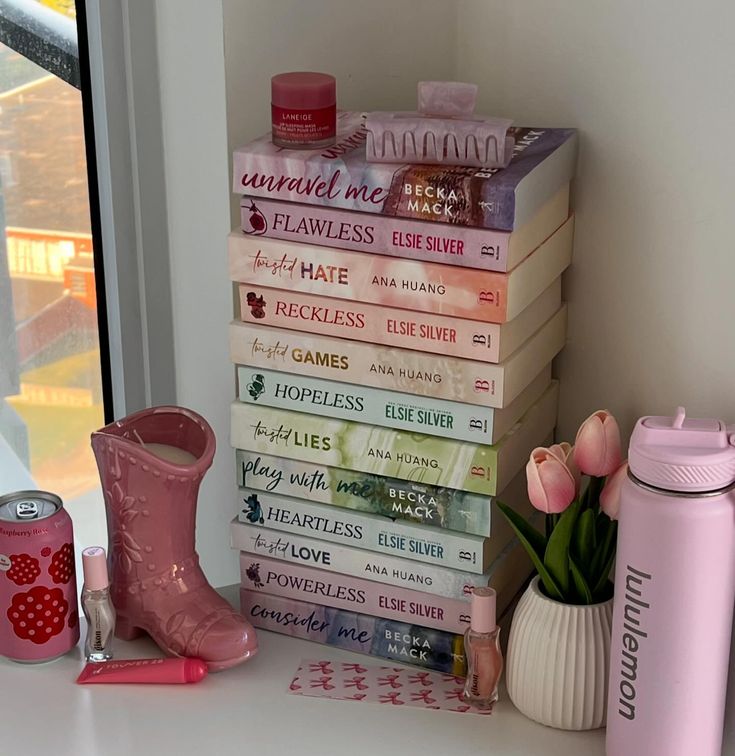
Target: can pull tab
{"type": "Point", "coordinates": [679, 418]}
{"type": "Point", "coordinates": [26, 510]}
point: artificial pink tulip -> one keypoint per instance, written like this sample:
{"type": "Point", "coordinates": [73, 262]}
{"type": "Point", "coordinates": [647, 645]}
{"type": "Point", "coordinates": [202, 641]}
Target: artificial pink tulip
{"type": "Point", "coordinates": [565, 452]}
{"type": "Point", "coordinates": [610, 494]}
{"type": "Point", "coordinates": [597, 448]}
{"type": "Point", "coordinates": [551, 485]}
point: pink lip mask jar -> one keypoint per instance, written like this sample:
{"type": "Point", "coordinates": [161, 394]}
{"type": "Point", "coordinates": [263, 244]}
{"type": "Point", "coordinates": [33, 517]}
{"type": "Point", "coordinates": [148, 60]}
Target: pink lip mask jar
{"type": "Point", "coordinates": [304, 110]}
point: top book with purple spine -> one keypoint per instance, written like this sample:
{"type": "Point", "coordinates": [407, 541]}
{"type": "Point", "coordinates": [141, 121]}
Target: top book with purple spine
{"type": "Point", "coordinates": [339, 176]}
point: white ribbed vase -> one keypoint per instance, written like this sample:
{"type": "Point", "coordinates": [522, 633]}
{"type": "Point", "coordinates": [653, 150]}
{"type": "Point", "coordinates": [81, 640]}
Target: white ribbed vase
{"type": "Point", "coordinates": [558, 661]}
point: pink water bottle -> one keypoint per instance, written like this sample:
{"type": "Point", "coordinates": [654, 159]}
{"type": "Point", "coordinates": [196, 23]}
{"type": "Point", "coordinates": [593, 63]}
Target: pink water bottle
{"type": "Point", "coordinates": [674, 590]}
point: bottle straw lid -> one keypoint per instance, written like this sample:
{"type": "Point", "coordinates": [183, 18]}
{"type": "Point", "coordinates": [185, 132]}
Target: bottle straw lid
{"type": "Point", "coordinates": [94, 566]}
{"type": "Point", "coordinates": [482, 610]}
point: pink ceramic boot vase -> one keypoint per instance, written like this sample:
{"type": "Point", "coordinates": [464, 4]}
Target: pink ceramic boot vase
{"type": "Point", "coordinates": [151, 464]}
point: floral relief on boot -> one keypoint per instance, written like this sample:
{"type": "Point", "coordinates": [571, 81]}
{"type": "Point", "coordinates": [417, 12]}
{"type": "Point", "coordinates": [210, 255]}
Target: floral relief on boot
{"type": "Point", "coordinates": [157, 585]}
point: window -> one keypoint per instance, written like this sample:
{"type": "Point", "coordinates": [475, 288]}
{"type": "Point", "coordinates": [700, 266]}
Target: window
{"type": "Point", "coordinates": [52, 392]}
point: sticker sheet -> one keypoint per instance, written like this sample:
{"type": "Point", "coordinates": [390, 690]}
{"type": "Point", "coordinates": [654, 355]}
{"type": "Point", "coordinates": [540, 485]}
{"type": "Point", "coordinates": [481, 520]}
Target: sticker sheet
{"type": "Point", "coordinates": [393, 686]}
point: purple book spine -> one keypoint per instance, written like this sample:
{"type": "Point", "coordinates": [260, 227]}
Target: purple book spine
{"type": "Point", "coordinates": [260, 573]}
{"type": "Point", "coordinates": [387, 639]}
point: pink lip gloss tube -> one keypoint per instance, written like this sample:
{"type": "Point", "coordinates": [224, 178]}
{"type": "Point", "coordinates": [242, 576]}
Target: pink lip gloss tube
{"type": "Point", "coordinates": [144, 671]}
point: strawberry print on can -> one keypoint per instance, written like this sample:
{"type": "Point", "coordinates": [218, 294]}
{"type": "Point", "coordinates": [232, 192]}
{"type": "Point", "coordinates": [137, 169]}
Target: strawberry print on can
{"type": "Point", "coordinates": [38, 587]}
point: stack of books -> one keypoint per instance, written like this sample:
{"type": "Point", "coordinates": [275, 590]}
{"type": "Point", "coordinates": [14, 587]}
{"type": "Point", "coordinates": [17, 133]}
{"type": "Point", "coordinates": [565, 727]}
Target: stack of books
{"type": "Point", "coordinates": [394, 332]}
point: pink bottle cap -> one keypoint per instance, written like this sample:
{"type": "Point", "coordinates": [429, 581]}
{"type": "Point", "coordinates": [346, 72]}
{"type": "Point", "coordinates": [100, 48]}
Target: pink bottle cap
{"type": "Point", "coordinates": [303, 89]}
{"type": "Point", "coordinates": [482, 610]}
{"type": "Point", "coordinates": [682, 454]}
{"type": "Point", "coordinates": [94, 566]}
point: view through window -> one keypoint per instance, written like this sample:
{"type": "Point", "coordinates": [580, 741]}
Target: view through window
{"type": "Point", "coordinates": [50, 374]}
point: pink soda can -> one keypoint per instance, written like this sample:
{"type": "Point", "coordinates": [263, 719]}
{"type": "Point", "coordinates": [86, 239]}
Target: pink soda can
{"type": "Point", "coordinates": [39, 620]}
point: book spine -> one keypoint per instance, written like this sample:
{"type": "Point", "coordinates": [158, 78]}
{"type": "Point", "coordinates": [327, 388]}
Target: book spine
{"type": "Point", "coordinates": [371, 323]}
{"type": "Point", "coordinates": [435, 417]}
{"type": "Point", "coordinates": [421, 543]}
{"type": "Point", "coordinates": [383, 451]}
{"type": "Point", "coordinates": [348, 560]}
{"type": "Point", "coordinates": [402, 370]}
{"type": "Point", "coordinates": [303, 583]}
{"type": "Point", "coordinates": [413, 501]}
{"type": "Point", "coordinates": [423, 287]}
{"type": "Point", "coordinates": [365, 448]}
{"type": "Point", "coordinates": [387, 639]}
{"type": "Point", "coordinates": [365, 277]}
{"type": "Point", "coordinates": [447, 244]}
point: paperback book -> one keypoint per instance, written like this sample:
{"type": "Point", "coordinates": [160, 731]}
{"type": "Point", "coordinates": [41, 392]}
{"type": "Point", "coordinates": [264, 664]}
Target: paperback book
{"type": "Point", "coordinates": [377, 324]}
{"type": "Point", "coordinates": [506, 573]}
{"type": "Point", "coordinates": [424, 287]}
{"type": "Point", "coordinates": [305, 583]}
{"type": "Point", "coordinates": [477, 468]}
{"type": "Point", "coordinates": [408, 371]}
{"type": "Point", "coordinates": [448, 244]}
{"type": "Point", "coordinates": [363, 404]}
{"type": "Point", "coordinates": [457, 551]}
{"type": "Point", "coordinates": [387, 639]}
{"type": "Point", "coordinates": [413, 501]}
{"type": "Point", "coordinates": [339, 176]}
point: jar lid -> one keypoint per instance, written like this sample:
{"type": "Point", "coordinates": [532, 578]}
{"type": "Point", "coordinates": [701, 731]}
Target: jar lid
{"type": "Point", "coordinates": [303, 89]}
{"type": "Point", "coordinates": [682, 454]}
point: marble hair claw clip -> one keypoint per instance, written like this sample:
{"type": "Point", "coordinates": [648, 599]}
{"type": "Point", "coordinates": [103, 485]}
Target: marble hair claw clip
{"type": "Point", "coordinates": [444, 131]}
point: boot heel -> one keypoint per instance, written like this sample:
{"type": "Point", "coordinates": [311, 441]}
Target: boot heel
{"type": "Point", "coordinates": [125, 630]}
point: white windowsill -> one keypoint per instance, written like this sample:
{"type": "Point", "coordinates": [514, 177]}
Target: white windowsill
{"type": "Point", "coordinates": [247, 710]}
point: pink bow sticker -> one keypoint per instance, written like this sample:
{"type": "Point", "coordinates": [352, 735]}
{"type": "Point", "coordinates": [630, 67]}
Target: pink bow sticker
{"type": "Point", "coordinates": [324, 667]}
{"type": "Point", "coordinates": [358, 668]}
{"type": "Point", "coordinates": [323, 682]}
{"type": "Point", "coordinates": [356, 682]}
{"type": "Point", "coordinates": [423, 695]}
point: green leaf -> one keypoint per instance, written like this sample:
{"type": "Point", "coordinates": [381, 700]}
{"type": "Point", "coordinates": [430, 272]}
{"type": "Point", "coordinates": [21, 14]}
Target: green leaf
{"type": "Point", "coordinates": [583, 541]}
{"type": "Point", "coordinates": [602, 579]}
{"type": "Point", "coordinates": [580, 583]}
{"type": "Point", "coordinates": [535, 545]}
{"type": "Point", "coordinates": [518, 523]}
{"type": "Point", "coordinates": [556, 556]}
{"type": "Point", "coordinates": [605, 552]}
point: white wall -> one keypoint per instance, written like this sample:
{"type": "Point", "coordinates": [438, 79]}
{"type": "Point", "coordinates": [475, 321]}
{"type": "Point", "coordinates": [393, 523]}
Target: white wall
{"type": "Point", "coordinates": [645, 83]}
{"type": "Point", "coordinates": [192, 74]}
{"type": "Point", "coordinates": [378, 50]}
{"type": "Point", "coordinates": [650, 87]}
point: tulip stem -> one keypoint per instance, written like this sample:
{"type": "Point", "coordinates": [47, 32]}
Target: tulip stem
{"type": "Point", "coordinates": [591, 497]}
{"type": "Point", "coordinates": [551, 521]}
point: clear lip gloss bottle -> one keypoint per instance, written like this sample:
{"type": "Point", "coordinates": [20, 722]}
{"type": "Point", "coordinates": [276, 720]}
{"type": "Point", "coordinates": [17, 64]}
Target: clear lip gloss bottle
{"type": "Point", "coordinates": [482, 649]}
{"type": "Point", "coordinates": [97, 605]}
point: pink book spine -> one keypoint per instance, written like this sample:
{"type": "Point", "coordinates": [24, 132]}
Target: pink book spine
{"type": "Point", "coordinates": [284, 579]}
{"type": "Point", "coordinates": [385, 235]}
{"type": "Point", "coordinates": [364, 277]}
{"type": "Point", "coordinates": [438, 334]}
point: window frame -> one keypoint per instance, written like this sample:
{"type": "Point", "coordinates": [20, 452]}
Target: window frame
{"type": "Point", "coordinates": [129, 162]}
{"type": "Point", "coordinates": [127, 188]}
